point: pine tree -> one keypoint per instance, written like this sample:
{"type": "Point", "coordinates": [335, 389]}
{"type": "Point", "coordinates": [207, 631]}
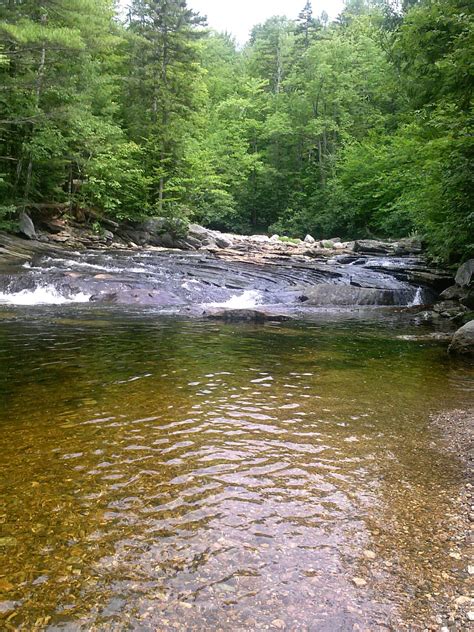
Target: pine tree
{"type": "Point", "coordinates": [163, 89]}
{"type": "Point", "coordinates": [306, 25]}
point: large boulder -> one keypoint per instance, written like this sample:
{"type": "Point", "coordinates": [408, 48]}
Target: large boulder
{"type": "Point", "coordinates": [157, 231]}
{"type": "Point", "coordinates": [463, 340]}
{"type": "Point", "coordinates": [203, 235]}
{"type": "Point", "coordinates": [465, 274]}
{"type": "Point", "coordinates": [26, 226]}
{"type": "Point", "coordinates": [331, 295]}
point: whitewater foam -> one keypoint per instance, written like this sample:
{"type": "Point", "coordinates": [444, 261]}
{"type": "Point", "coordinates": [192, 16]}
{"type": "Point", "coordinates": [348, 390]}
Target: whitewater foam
{"type": "Point", "coordinates": [418, 298]}
{"type": "Point", "coordinates": [247, 300]}
{"type": "Point", "coordinates": [42, 295]}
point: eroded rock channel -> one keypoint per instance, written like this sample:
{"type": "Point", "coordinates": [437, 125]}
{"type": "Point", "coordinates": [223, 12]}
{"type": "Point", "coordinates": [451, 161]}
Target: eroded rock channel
{"type": "Point", "coordinates": [243, 274]}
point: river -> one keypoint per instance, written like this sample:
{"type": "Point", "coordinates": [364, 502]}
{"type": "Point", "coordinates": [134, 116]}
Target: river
{"type": "Point", "coordinates": [161, 472]}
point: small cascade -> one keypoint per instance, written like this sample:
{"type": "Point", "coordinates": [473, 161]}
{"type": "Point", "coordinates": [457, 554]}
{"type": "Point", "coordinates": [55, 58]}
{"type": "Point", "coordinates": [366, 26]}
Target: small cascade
{"type": "Point", "coordinates": [418, 298]}
{"type": "Point", "coordinates": [247, 300]}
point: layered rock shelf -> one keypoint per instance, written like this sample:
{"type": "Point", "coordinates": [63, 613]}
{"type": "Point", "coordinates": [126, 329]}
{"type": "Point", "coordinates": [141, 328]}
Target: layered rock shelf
{"type": "Point", "coordinates": [231, 277]}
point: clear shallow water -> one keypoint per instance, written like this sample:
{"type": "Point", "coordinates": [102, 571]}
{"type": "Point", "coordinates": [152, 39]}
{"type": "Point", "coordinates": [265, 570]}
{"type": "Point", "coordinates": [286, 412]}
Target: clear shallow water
{"type": "Point", "coordinates": [163, 474]}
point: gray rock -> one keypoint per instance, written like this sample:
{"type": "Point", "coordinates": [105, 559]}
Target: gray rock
{"type": "Point", "coordinates": [326, 295]}
{"type": "Point", "coordinates": [465, 274]}
{"type": "Point", "coordinates": [436, 279]}
{"type": "Point", "coordinates": [204, 236]}
{"type": "Point", "coordinates": [155, 231]}
{"type": "Point", "coordinates": [448, 307]}
{"type": "Point", "coordinates": [409, 246]}
{"type": "Point", "coordinates": [26, 226]}
{"type": "Point", "coordinates": [138, 296]}
{"type": "Point", "coordinates": [453, 292]}
{"type": "Point", "coordinates": [374, 246]}
{"type": "Point", "coordinates": [463, 340]}
{"type": "Point", "coordinates": [309, 240]}
{"type": "Point", "coordinates": [275, 238]}
{"type": "Point", "coordinates": [221, 241]}
{"type": "Point", "coordinates": [165, 240]}
{"type": "Point", "coordinates": [327, 244]}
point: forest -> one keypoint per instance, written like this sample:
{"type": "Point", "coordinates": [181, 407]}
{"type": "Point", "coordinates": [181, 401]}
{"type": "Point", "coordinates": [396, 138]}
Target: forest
{"type": "Point", "coordinates": [359, 127]}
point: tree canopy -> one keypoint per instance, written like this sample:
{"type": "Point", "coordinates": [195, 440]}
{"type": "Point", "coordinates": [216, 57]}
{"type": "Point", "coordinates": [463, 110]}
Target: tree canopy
{"type": "Point", "coordinates": [360, 127]}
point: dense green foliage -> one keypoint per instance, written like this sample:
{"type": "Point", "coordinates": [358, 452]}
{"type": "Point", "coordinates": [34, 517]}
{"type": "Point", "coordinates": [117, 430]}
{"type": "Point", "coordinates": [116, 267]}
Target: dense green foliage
{"type": "Point", "coordinates": [362, 127]}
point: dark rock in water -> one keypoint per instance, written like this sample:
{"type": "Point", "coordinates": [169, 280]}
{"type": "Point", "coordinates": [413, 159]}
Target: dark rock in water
{"type": "Point", "coordinates": [325, 295]}
{"type": "Point", "coordinates": [435, 279]}
{"type": "Point", "coordinates": [138, 296]}
{"type": "Point", "coordinates": [26, 226]}
{"type": "Point", "coordinates": [245, 315]}
{"type": "Point", "coordinates": [346, 259]}
{"type": "Point", "coordinates": [111, 297]}
{"type": "Point", "coordinates": [463, 340]}
{"type": "Point", "coordinates": [465, 274]}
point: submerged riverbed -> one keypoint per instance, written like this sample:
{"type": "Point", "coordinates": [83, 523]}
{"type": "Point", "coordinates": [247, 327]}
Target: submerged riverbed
{"type": "Point", "coordinates": [163, 474]}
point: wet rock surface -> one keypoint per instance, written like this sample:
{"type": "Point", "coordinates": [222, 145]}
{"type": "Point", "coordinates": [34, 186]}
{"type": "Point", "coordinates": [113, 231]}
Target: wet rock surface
{"type": "Point", "coordinates": [225, 267]}
{"type": "Point", "coordinates": [456, 302]}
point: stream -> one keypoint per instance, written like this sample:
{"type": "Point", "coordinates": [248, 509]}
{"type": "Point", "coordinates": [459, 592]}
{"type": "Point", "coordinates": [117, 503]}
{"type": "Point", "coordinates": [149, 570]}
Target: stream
{"type": "Point", "coordinates": [161, 472]}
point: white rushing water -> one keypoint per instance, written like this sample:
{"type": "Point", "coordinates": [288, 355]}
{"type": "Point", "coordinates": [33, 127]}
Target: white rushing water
{"type": "Point", "coordinates": [418, 300]}
{"type": "Point", "coordinates": [41, 295]}
{"type": "Point", "coordinates": [247, 300]}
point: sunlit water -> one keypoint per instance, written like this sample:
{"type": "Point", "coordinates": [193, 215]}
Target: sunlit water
{"type": "Point", "coordinates": [171, 475]}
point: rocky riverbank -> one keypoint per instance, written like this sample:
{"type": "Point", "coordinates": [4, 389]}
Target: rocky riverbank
{"type": "Point", "coordinates": [154, 261]}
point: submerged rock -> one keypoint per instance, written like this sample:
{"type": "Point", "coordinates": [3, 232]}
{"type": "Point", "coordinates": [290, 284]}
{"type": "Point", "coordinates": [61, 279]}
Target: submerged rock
{"type": "Point", "coordinates": [463, 340]}
{"type": "Point", "coordinates": [245, 315]}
